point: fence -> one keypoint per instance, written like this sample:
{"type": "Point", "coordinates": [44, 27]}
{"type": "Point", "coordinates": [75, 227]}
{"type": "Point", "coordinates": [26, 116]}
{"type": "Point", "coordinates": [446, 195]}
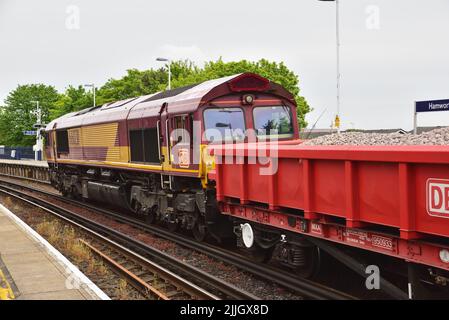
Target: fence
{"type": "Point", "coordinates": [18, 153]}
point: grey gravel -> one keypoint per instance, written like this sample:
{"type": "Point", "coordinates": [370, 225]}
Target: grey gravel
{"type": "Point", "coordinates": [438, 136]}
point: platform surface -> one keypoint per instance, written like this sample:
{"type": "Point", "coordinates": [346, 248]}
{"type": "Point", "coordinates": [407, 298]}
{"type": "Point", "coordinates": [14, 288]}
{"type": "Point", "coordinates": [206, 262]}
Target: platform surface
{"type": "Point", "coordinates": [29, 271]}
{"type": "Point", "coordinates": [32, 163]}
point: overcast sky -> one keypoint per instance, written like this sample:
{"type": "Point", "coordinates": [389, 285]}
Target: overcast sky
{"type": "Point", "coordinates": [392, 52]}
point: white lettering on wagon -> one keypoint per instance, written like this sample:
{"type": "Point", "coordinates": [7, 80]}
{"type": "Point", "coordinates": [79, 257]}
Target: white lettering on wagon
{"type": "Point", "coordinates": [356, 237]}
{"type": "Point", "coordinates": [365, 239]}
{"type": "Point", "coordinates": [316, 228]}
{"type": "Point", "coordinates": [382, 242]}
{"type": "Point", "coordinates": [437, 197]}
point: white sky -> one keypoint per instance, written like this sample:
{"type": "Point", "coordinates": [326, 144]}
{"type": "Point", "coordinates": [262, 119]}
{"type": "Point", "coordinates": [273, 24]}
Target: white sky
{"type": "Point", "coordinates": [392, 53]}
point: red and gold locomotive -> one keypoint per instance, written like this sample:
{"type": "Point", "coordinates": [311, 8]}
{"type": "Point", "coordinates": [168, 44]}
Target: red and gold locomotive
{"type": "Point", "coordinates": [149, 153]}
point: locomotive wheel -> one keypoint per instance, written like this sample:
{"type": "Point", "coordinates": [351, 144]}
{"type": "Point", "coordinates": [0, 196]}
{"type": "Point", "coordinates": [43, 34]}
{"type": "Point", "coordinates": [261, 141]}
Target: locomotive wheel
{"type": "Point", "coordinates": [200, 230]}
{"type": "Point", "coordinates": [74, 193]}
{"type": "Point", "coordinates": [173, 226]}
{"type": "Point", "coordinates": [151, 216]}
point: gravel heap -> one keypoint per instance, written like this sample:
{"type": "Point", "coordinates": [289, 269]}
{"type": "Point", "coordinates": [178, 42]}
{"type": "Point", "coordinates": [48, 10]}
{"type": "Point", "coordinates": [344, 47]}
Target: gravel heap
{"type": "Point", "coordinates": [438, 136]}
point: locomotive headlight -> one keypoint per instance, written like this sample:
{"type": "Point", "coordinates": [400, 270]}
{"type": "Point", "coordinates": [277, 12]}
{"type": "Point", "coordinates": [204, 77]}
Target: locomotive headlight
{"type": "Point", "coordinates": [248, 99]}
{"type": "Point", "coordinates": [444, 255]}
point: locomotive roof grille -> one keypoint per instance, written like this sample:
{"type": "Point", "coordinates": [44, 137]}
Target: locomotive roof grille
{"type": "Point", "coordinates": [170, 93]}
{"type": "Point", "coordinates": [87, 110]}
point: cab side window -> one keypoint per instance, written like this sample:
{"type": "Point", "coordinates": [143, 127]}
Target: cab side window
{"type": "Point", "coordinates": [177, 131]}
{"type": "Point", "coordinates": [62, 141]}
{"type": "Point", "coordinates": [47, 139]}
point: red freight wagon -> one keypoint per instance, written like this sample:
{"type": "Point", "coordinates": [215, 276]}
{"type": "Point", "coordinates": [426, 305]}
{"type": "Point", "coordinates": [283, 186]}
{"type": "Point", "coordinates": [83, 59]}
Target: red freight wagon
{"type": "Point", "coordinates": [405, 187]}
{"type": "Point", "coordinates": [389, 199]}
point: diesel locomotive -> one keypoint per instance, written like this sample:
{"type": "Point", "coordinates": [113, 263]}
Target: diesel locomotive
{"type": "Point", "coordinates": [150, 154]}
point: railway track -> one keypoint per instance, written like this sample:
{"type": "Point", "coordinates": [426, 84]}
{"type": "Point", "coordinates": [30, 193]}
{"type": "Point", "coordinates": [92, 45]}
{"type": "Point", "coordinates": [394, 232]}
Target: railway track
{"type": "Point", "coordinates": [130, 258]}
{"type": "Point", "coordinates": [304, 287]}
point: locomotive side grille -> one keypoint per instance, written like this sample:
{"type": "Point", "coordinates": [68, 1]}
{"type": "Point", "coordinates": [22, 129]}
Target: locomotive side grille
{"type": "Point", "coordinates": [101, 142]}
{"type": "Point", "coordinates": [103, 135]}
{"type": "Point", "coordinates": [113, 154]}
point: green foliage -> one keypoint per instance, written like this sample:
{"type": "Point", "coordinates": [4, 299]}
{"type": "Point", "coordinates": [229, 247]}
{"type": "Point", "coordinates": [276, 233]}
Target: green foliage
{"type": "Point", "coordinates": [276, 72]}
{"type": "Point", "coordinates": [74, 99]}
{"type": "Point", "coordinates": [18, 113]}
{"type": "Point", "coordinates": [134, 83]}
{"type": "Point", "coordinates": [138, 83]}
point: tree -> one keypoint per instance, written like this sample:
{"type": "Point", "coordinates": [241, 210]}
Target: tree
{"type": "Point", "coordinates": [134, 83]}
{"type": "Point", "coordinates": [137, 83]}
{"type": "Point", "coordinates": [74, 99]}
{"type": "Point", "coordinates": [276, 72]}
{"type": "Point", "coordinates": [17, 115]}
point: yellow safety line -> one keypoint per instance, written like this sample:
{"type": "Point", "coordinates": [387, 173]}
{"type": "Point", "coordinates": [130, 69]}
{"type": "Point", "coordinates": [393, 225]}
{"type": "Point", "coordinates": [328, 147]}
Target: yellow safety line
{"type": "Point", "coordinates": [6, 292]}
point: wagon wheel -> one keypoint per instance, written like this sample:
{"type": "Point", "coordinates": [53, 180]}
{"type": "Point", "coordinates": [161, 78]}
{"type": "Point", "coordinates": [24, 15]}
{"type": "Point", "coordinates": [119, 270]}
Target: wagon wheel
{"type": "Point", "coordinates": [313, 256]}
{"type": "Point", "coordinates": [311, 269]}
{"type": "Point", "coordinates": [259, 254]}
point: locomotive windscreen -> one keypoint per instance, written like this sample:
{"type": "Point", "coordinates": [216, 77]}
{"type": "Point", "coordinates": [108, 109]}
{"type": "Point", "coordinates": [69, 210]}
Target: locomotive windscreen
{"type": "Point", "coordinates": [273, 121]}
{"type": "Point", "coordinates": [224, 124]}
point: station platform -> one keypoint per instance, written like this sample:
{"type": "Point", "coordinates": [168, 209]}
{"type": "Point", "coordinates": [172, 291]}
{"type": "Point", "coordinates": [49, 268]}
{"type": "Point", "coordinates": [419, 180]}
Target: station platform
{"type": "Point", "coordinates": [32, 269]}
{"type": "Point", "coordinates": [28, 169]}
{"type": "Point", "coordinates": [32, 163]}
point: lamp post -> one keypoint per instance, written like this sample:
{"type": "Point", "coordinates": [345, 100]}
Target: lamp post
{"type": "Point", "coordinates": [92, 85]}
{"type": "Point", "coordinates": [169, 70]}
{"type": "Point", "coordinates": [337, 30]}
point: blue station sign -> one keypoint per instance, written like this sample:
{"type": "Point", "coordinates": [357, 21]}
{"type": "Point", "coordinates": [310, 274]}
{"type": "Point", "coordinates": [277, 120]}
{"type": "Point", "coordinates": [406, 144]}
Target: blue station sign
{"type": "Point", "coordinates": [29, 133]}
{"type": "Point", "coordinates": [432, 105]}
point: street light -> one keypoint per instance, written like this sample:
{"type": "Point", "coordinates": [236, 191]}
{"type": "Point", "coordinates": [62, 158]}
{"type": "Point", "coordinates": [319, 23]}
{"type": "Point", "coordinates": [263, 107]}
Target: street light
{"type": "Point", "coordinates": [92, 85]}
{"type": "Point", "coordinates": [337, 30]}
{"type": "Point", "coordinates": [169, 70]}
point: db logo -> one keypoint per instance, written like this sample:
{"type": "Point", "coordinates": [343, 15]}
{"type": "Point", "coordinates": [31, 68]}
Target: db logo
{"type": "Point", "coordinates": [438, 197]}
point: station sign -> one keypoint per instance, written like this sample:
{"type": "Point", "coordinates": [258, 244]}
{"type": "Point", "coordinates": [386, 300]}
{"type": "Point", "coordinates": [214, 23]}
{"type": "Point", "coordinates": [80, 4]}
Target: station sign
{"type": "Point", "coordinates": [432, 105]}
{"type": "Point", "coordinates": [428, 106]}
{"type": "Point", "coordinates": [30, 133]}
